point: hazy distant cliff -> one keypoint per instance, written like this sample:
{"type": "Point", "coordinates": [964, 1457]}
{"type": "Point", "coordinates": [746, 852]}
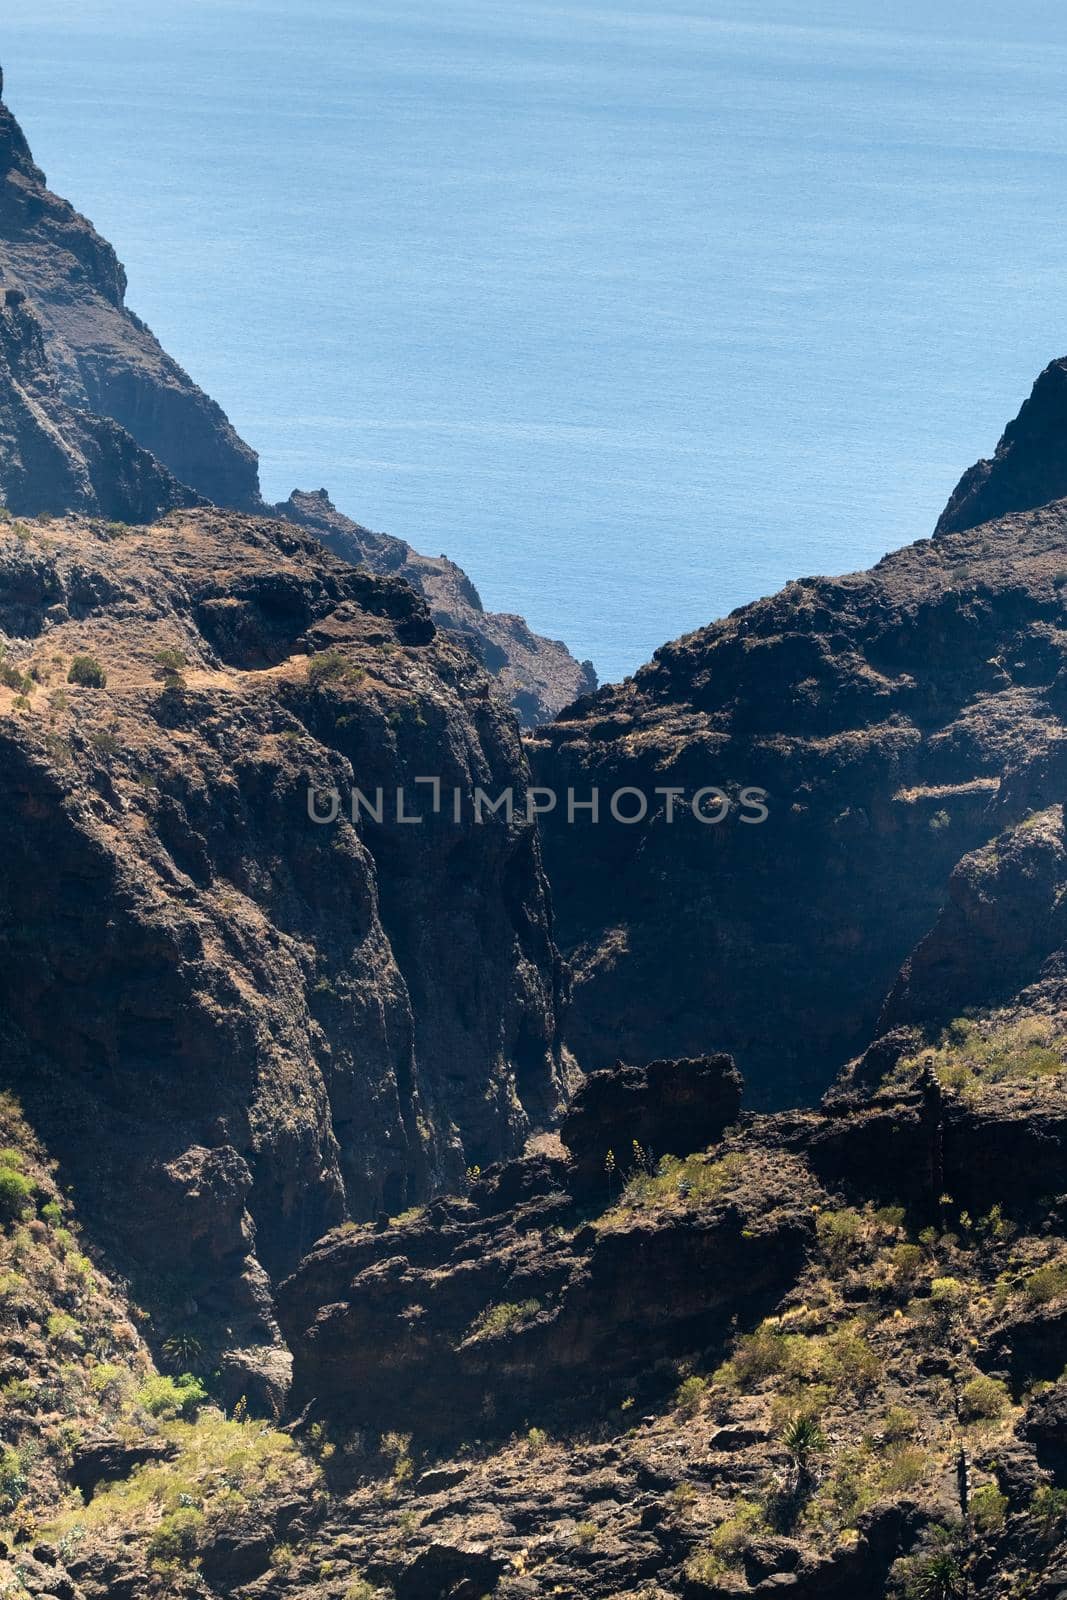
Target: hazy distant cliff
{"type": "Point", "coordinates": [93, 361]}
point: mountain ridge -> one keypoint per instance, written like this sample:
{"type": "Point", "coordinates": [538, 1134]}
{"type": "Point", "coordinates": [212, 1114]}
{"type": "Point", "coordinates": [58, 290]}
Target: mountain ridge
{"type": "Point", "coordinates": [98, 360]}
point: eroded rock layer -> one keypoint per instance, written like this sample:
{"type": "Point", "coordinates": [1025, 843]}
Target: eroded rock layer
{"type": "Point", "coordinates": [247, 1024]}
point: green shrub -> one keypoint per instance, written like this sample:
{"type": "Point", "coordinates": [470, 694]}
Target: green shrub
{"type": "Point", "coordinates": [983, 1398]}
{"type": "Point", "coordinates": [1049, 1510]}
{"type": "Point", "coordinates": [989, 1507]}
{"type": "Point", "coordinates": [839, 1234]}
{"type": "Point", "coordinates": [495, 1320]}
{"type": "Point", "coordinates": [332, 666]}
{"type": "Point", "coordinates": [689, 1395]}
{"type": "Point", "coordinates": [16, 1195]}
{"type": "Point", "coordinates": [170, 660]}
{"type": "Point", "coordinates": [905, 1266]}
{"type": "Point", "coordinates": [87, 671]}
{"type": "Point", "coordinates": [62, 1329]}
{"type": "Point", "coordinates": [724, 1549]}
{"type": "Point", "coordinates": [13, 1478]}
{"type": "Point", "coordinates": [398, 1447]}
{"type": "Point", "coordinates": [899, 1424]}
{"type": "Point", "coordinates": [177, 1538]}
{"type": "Point", "coordinates": [172, 1397]}
{"type": "Point", "coordinates": [110, 1383]}
{"type": "Point", "coordinates": [1047, 1283]}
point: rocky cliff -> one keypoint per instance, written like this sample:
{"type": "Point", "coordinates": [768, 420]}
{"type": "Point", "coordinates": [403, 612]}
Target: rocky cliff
{"type": "Point", "coordinates": [267, 1022]}
{"type": "Point", "coordinates": [104, 359]}
{"type": "Point", "coordinates": [891, 717]}
{"type": "Point", "coordinates": [96, 417]}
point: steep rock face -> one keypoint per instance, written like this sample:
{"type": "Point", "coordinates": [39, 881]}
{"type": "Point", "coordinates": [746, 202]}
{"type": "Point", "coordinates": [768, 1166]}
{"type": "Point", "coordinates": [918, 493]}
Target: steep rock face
{"type": "Point", "coordinates": [54, 458]}
{"type": "Point", "coordinates": [881, 713]}
{"type": "Point", "coordinates": [1001, 938]}
{"type": "Point", "coordinates": [106, 361]}
{"type": "Point", "coordinates": [1029, 467]}
{"type": "Point", "coordinates": [267, 1023]}
{"type": "Point", "coordinates": [537, 676]}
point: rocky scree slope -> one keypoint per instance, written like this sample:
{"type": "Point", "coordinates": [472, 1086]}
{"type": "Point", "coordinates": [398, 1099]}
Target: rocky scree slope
{"type": "Point", "coordinates": [95, 1437]}
{"type": "Point", "coordinates": [822, 1356]}
{"type": "Point", "coordinates": [267, 1024]}
{"type": "Point", "coordinates": [96, 417]}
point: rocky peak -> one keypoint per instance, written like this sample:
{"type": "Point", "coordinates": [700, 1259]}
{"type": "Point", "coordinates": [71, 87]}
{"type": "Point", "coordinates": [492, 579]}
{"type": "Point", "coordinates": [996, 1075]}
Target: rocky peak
{"type": "Point", "coordinates": [1029, 467]}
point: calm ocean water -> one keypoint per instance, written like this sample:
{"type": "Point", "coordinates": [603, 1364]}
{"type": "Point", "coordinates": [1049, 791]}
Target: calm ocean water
{"type": "Point", "coordinates": [635, 309]}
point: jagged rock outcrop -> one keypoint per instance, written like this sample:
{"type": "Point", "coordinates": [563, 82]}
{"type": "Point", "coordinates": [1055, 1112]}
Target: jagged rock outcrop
{"type": "Point", "coordinates": [881, 712]}
{"type": "Point", "coordinates": [1029, 467]}
{"type": "Point", "coordinates": [266, 1022]}
{"type": "Point", "coordinates": [96, 417]}
{"type": "Point", "coordinates": [507, 1305]}
{"type": "Point", "coordinates": [668, 1106]}
{"type": "Point", "coordinates": [537, 676]}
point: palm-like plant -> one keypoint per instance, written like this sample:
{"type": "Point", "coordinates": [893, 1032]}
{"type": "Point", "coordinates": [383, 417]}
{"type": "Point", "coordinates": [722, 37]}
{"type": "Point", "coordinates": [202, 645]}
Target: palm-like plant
{"type": "Point", "coordinates": [182, 1352]}
{"type": "Point", "coordinates": [803, 1438]}
{"type": "Point", "coordinates": [940, 1579]}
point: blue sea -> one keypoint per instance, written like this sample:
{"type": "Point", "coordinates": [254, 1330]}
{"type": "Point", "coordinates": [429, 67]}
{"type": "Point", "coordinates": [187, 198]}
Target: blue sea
{"type": "Point", "coordinates": [636, 310]}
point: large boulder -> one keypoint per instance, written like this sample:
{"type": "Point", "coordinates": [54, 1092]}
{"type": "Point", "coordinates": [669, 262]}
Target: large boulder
{"type": "Point", "coordinates": [667, 1107]}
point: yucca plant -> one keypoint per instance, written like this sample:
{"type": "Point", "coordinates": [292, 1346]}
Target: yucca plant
{"type": "Point", "coordinates": [940, 1579]}
{"type": "Point", "coordinates": [803, 1438]}
{"type": "Point", "coordinates": [182, 1352]}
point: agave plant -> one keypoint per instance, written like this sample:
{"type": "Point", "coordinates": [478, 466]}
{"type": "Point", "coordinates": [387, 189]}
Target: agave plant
{"type": "Point", "coordinates": [182, 1352]}
{"type": "Point", "coordinates": [940, 1579]}
{"type": "Point", "coordinates": [803, 1438]}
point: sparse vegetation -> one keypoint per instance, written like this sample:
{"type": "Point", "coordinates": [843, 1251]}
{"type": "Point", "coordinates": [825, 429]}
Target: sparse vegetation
{"type": "Point", "coordinates": [670, 1182]}
{"type": "Point", "coordinates": [982, 1399]}
{"type": "Point", "coordinates": [87, 672]}
{"type": "Point", "coordinates": [723, 1551]}
{"type": "Point", "coordinates": [842, 1358]}
{"type": "Point", "coordinates": [970, 1053]}
{"type": "Point", "coordinates": [495, 1320]}
{"type": "Point", "coordinates": [333, 666]}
